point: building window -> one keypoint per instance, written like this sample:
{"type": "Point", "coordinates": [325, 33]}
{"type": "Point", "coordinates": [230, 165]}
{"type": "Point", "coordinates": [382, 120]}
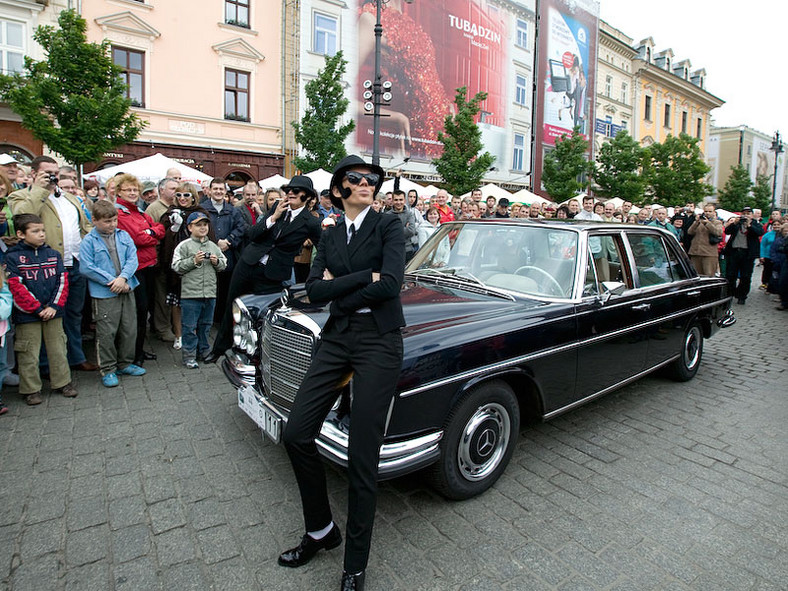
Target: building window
{"type": "Point", "coordinates": [608, 86]}
{"type": "Point", "coordinates": [624, 92]}
{"type": "Point", "coordinates": [647, 109]}
{"type": "Point", "coordinates": [12, 46]}
{"type": "Point", "coordinates": [699, 128]}
{"type": "Point", "coordinates": [236, 95]}
{"type": "Point", "coordinates": [521, 91]}
{"type": "Point", "coordinates": [236, 12]}
{"type": "Point", "coordinates": [684, 116]}
{"type": "Point", "coordinates": [133, 65]}
{"type": "Point", "coordinates": [519, 151]}
{"type": "Point", "coordinates": [522, 34]}
{"type": "Point", "coordinates": [325, 36]}
{"type": "Point", "coordinates": [666, 122]}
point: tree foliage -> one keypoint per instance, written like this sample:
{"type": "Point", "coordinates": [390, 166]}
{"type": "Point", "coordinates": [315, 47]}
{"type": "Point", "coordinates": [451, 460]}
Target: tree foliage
{"type": "Point", "coordinates": [736, 193]}
{"type": "Point", "coordinates": [618, 169]}
{"type": "Point", "coordinates": [319, 132]}
{"type": "Point", "coordinates": [762, 193]}
{"type": "Point", "coordinates": [461, 165]}
{"type": "Point", "coordinates": [75, 100]}
{"type": "Point", "coordinates": [675, 171]}
{"type": "Point", "coordinates": [565, 169]}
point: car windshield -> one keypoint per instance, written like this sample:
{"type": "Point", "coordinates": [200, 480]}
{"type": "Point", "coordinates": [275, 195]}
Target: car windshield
{"type": "Point", "coordinates": [532, 260]}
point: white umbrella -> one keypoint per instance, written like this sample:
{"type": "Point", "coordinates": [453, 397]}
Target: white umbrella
{"type": "Point", "coordinates": [151, 168]}
{"type": "Point", "coordinates": [494, 190]}
{"type": "Point", "coordinates": [273, 182]}
{"type": "Point", "coordinates": [404, 185]}
{"type": "Point", "coordinates": [321, 179]}
{"type": "Point", "coordinates": [525, 196]}
{"type": "Point", "coordinates": [724, 215]}
{"type": "Point", "coordinates": [430, 190]}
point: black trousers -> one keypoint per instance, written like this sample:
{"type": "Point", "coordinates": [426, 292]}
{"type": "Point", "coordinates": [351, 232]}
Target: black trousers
{"type": "Point", "coordinates": [738, 264]}
{"type": "Point", "coordinates": [143, 299]}
{"type": "Point", "coordinates": [245, 279]}
{"type": "Point", "coordinates": [376, 362]}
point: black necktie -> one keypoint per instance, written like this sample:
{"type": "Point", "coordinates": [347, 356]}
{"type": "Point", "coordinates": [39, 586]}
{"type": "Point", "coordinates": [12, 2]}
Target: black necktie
{"type": "Point", "coordinates": [352, 233]}
{"type": "Point", "coordinates": [287, 217]}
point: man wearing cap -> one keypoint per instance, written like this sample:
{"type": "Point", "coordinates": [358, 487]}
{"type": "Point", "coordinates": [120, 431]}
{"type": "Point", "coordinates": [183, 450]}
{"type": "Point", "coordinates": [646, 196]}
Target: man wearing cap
{"type": "Point", "coordinates": [741, 250]}
{"type": "Point", "coordinates": [502, 210]}
{"type": "Point", "coordinates": [359, 269]}
{"type": "Point", "coordinates": [149, 195]}
{"type": "Point", "coordinates": [9, 166]}
{"type": "Point", "coordinates": [268, 257]}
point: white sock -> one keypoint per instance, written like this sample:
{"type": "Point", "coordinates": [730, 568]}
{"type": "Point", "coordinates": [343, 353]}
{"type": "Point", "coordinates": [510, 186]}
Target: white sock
{"type": "Point", "coordinates": [321, 533]}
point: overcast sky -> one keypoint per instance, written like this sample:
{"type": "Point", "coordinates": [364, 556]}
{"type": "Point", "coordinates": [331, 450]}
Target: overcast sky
{"type": "Point", "coordinates": [742, 45]}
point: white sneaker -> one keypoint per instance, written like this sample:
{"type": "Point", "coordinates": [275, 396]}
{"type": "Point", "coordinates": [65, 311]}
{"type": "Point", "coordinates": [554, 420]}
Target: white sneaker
{"type": "Point", "coordinates": [178, 343]}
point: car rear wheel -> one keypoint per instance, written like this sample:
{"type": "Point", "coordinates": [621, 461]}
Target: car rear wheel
{"type": "Point", "coordinates": [686, 366]}
{"type": "Point", "coordinates": [480, 436]}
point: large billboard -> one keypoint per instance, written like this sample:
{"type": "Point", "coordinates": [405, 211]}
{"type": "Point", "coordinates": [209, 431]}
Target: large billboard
{"type": "Point", "coordinates": [429, 49]}
{"type": "Point", "coordinates": [566, 74]}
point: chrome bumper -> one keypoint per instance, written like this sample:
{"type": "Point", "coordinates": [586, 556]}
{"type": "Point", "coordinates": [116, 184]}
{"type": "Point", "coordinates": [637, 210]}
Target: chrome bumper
{"type": "Point", "coordinates": [727, 320]}
{"type": "Point", "coordinates": [396, 459]}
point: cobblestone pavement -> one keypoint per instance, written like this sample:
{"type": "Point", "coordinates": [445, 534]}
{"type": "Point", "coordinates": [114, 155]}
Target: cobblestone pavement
{"type": "Point", "coordinates": [163, 483]}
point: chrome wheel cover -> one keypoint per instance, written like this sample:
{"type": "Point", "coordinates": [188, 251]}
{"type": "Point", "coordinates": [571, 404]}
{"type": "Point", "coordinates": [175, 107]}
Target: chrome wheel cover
{"type": "Point", "coordinates": [483, 441]}
{"type": "Point", "coordinates": [691, 352]}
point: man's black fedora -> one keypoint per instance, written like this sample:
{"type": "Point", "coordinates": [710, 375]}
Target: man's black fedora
{"type": "Point", "coordinates": [346, 164]}
{"type": "Point", "coordinates": [301, 182]}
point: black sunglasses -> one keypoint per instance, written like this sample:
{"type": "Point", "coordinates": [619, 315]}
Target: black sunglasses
{"type": "Point", "coordinates": [294, 190]}
{"type": "Point", "coordinates": [354, 178]}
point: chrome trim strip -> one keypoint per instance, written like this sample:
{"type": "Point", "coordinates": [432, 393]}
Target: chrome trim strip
{"type": "Point", "coordinates": [539, 354]}
{"type": "Point", "coordinates": [238, 364]}
{"type": "Point", "coordinates": [604, 391]}
{"type": "Point", "coordinates": [299, 317]}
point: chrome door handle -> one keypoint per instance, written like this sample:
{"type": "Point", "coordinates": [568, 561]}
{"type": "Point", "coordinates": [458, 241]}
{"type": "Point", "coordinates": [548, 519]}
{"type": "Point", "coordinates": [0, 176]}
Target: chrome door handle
{"type": "Point", "coordinates": [693, 293]}
{"type": "Point", "coordinates": [643, 307]}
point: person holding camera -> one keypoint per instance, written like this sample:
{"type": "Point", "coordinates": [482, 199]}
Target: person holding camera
{"type": "Point", "coordinates": [742, 249]}
{"type": "Point", "coordinates": [66, 223]}
{"type": "Point", "coordinates": [705, 233]}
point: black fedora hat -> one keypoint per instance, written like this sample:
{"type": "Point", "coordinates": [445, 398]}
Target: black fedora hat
{"type": "Point", "coordinates": [301, 182]}
{"type": "Point", "coordinates": [346, 164]}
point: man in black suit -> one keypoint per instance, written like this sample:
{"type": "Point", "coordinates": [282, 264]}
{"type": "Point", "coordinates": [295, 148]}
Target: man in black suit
{"type": "Point", "coordinates": [741, 250]}
{"type": "Point", "coordinates": [359, 268]}
{"type": "Point", "coordinates": [267, 259]}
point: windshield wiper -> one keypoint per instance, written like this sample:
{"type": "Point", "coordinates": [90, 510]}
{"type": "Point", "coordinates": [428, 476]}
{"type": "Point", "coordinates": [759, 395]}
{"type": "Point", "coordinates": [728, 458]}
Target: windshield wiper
{"type": "Point", "coordinates": [466, 279]}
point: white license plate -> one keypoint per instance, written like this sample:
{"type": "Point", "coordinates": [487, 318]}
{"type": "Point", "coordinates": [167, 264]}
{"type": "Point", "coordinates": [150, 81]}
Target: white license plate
{"type": "Point", "coordinates": [251, 404]}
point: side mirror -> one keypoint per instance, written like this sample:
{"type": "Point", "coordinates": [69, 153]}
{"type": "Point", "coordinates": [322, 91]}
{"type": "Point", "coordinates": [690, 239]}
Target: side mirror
{"type": "Point", "coordinates": [611, 288]}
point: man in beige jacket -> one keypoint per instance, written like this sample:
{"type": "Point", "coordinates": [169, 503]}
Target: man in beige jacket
{"type": "Point", "coordinates": [703, 252]}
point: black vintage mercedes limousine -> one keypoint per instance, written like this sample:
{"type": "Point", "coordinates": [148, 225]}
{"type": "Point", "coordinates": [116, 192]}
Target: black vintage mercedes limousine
{"type": "Point", "coordinates": [505, 319]}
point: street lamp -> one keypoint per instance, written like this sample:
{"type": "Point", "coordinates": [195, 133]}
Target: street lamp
{"type": "Point", "coordinates": [379, 92]}
{"type": "Point", "coordinates": [777, 148]}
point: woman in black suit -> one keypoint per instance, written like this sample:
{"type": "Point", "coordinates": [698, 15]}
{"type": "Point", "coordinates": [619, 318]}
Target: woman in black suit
{"type": "Point", "coordinates": [359, 268]}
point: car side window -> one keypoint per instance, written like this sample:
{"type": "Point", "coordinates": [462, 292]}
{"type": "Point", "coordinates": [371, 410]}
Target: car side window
{"type": "Point", "coordinates": [651, 259]}
{"type": "Point", "coordinates": [677, 269]}
{"type": "Point", "coordinates": [605, 263]}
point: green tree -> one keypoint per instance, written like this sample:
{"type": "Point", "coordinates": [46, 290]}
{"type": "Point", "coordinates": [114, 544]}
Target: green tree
{"type": "Point", "coordinates": [762, 193]}
{"type": "Point", "coordinates": [675, 171]}
{"type": "Point", "coordinates": [461, 165]}
{"type": "Point", "coordinates": [75, 100]}
{"type": "Point", "coordinates": [618, 169]}
{"type": "Point", "coordinates": [565, 169]}
{"type": "Point", "coordinates": [736, 192]}
{"type": "Point", "coordinates": [319, 132]}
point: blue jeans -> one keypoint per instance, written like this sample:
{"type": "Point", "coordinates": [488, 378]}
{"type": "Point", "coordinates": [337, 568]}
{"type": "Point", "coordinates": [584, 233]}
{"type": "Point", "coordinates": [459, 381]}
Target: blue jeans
{"type": "Point", "coordinates": [196, 320]}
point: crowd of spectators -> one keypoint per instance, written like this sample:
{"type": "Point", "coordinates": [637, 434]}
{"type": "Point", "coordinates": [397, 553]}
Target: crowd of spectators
{"type": "Point", "coordinates": [124, 250]}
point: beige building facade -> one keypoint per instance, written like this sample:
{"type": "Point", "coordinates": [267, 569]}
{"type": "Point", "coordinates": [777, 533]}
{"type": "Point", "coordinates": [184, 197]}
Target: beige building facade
{"type": "Point", "coordinates": [670, 97]}
{"type": "Point", "coordinates": [615, 85]}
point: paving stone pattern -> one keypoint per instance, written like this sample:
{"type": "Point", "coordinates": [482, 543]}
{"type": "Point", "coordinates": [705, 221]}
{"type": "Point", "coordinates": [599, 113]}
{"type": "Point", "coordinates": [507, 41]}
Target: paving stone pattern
{"type": "Point", "coordinates": [163, 483]}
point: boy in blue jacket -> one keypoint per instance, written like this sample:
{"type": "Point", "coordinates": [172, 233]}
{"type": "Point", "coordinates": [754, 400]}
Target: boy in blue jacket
{"type": "Point", "coordinates": [108, 258]}
{"type": "Point", "coordinates": [38, 281]}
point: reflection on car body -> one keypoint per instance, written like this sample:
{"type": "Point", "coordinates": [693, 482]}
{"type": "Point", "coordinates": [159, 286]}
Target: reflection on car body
{"type": "Point", "coordinates": [505, 319]}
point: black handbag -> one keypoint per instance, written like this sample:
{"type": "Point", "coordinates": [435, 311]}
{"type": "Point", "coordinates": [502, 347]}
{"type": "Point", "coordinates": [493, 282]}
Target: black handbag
{"type": "Point", "coordinates": [714, 239]}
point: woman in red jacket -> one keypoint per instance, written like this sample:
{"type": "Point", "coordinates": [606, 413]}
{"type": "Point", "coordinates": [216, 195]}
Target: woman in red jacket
{"type": "Point", "coordinates": [146, 235]}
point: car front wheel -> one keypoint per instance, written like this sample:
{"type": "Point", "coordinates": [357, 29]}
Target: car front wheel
{"type": "Point", "coordinates": [480, 436]}
{"type": "Point", "coordinates": [686, 366]}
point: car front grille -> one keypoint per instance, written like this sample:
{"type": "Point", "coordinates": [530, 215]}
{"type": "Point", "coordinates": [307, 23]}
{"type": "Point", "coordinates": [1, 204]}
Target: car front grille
{"type": "Point", "coordinates": [286, 354]}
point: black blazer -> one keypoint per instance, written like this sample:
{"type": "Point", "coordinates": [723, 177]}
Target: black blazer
{"type": "Point", "coordinates": [754, 233]}
{"type": "Point", "coordinates": [379, 246]}
{"type": "Point", "coordinates": [282, 243]}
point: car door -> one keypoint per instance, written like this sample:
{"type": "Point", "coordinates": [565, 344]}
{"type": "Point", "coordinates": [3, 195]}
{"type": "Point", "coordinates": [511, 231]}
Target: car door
{"type": "Point", "coordinates": [670, 294]}
{"type": "Point", "coordinates": [613, 342]}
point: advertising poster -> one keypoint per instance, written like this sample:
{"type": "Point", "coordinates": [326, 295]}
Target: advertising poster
{"type": "Point", "coordinates": [566, 73]}
{"type": "Point", "coordinates": [429, 49]}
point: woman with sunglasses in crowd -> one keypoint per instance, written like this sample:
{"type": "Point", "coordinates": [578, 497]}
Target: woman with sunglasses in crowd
{"type": "Point", "coordinates": [174, 222]}
{"type": "Point", "coordinates": [359, 268]}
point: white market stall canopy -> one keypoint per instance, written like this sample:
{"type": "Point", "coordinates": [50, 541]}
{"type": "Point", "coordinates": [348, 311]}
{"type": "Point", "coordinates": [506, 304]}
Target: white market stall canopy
{"type": "Point", "coordinates": [430, 190]}
{"type": "Point", "coordinates": [273, 182]}
{"type": "Point", "coordinates": [491, 189]}
{"type": "Point", "coordinates": [404, 185]}
{"type": "Point", "coordinates": [525, 196]}
{"type": "Point", "coordinates": [151, 168]}
{"type": "Point", "coordinates": [321, 179]}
